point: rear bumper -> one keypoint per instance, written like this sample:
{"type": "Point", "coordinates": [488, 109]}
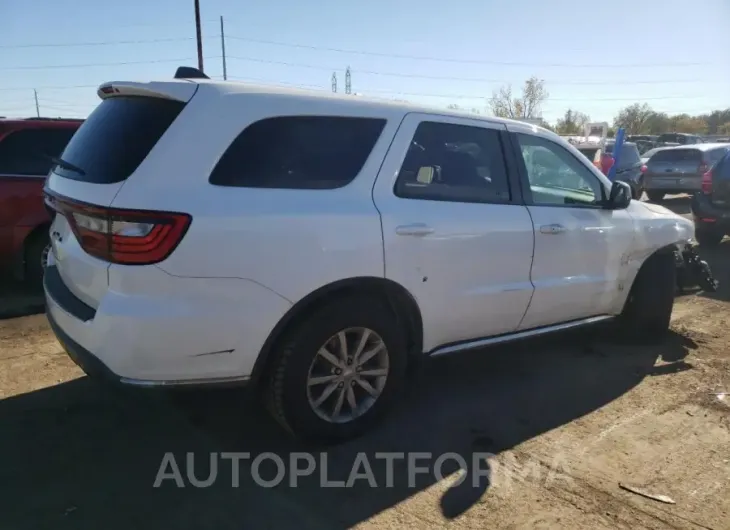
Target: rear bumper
{"type": "Point", "coordinates": [708, 215]}
{"type": "Point", "coordinates": [674, 185]}
{"type": "Point", "coordinates": [191, 336]}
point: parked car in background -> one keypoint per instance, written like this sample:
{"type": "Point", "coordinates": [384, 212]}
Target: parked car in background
{"type": "Point", "coordinates": [680, 169]}
{"type": "Point", "coordinates": [644, 142]}
{"type": "Point", "coordinates": [26, 149]}
{"type": "Point", "coordinates": [711, 207]}
{"type": "Point", "coordinates": [630, 168]}
{"type": "Point", "coordinates": [648, 154]}
{"type": "Point", "coordinates": [679, 138]}
{"type": "Point", "coordinates": [314, 244]}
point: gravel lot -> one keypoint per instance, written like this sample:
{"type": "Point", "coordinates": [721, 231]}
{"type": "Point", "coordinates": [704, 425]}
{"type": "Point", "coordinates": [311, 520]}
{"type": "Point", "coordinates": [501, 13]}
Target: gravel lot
{"type": "Point", "coordinates": [571, 417]}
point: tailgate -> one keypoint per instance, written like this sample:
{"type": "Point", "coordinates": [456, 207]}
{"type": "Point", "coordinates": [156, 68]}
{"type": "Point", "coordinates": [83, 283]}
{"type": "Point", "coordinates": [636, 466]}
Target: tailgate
{"type": "Point", "coordinates": [106, 150]}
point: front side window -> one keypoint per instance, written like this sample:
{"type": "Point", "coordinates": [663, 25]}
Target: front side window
{"type": "Point", "coordinates": [298, 152]}
{"type": "Point", "coordinates": [450, 162]}
{"type": "Point", "coordinates": [557, 178]}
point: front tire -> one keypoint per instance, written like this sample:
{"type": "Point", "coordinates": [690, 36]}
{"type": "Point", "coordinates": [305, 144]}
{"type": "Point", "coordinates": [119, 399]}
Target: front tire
{"type": "Point", "coordinates": [648, 309]}
{"type": "Point", "coordinates": [339, 371]}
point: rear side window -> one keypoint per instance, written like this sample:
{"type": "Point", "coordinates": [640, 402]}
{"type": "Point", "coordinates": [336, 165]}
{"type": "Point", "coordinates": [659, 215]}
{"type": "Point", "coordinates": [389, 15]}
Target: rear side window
{"type": "Point", "coordinates": [116, 137]}
{"type": "Point", "coordinates": [27, 151]}
{"type": "Point", "coordinates": [678, 155]}
{"type": "Point", "coordinates": [715, 155]}
{"type": "Point", "coordinates": [299, 152]}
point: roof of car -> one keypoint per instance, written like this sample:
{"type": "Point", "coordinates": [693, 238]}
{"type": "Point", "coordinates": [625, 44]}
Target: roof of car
{"type": "Point", "coordinates": [700, 147]}
{"type": "Point", "coordinates": [356, 100]}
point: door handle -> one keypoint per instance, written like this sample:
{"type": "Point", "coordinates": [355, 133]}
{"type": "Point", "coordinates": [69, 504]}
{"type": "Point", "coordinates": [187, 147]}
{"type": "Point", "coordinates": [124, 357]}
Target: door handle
{"type": "Point", "coordinates": [552, 229]}
{"type": "Point", "coordinates": [415, 229]}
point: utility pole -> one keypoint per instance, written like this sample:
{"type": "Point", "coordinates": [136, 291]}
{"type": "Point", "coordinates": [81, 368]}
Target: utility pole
{"type": "Point", "coordinates": [37, 108]}
{"type": "Point", "coordinates": [348, 81]}
{"type": "Point", "coordinates": [334, 82]}
{"type": "Point", "coordinates": [223, 50]}
{"type": "Point", "coordinates": [198, 36]}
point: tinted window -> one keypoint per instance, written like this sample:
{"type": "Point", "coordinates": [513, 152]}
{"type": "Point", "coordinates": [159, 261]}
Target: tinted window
{"type": "Point", "coordinates": [722, 170]}
{"type": "Point", "coordinates": [320, 152]}
{"type": "Point", "coordinates": [678, 155]}
{"type": "Point", "coordinates": [116, 137]}
{"type": "Point", "coordinates": [26, 152]}
{"type": "Point", "coordinates": [715, 155]}
{"type": "Point", "coordinates": [590, 153]}
{"type": "Point", "coordinates": [448, 162]}
{"type": "Point", "coordinates": [629, 155]}
{"type": "Point", "coordinates": [557, 178]}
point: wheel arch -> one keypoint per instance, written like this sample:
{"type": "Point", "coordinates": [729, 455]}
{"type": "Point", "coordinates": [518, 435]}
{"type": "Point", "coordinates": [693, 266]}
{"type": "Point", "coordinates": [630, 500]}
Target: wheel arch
{"type": "Point", "coordinates": [402, 302]}
{"type": "Point", "coordinates": [666, 250]}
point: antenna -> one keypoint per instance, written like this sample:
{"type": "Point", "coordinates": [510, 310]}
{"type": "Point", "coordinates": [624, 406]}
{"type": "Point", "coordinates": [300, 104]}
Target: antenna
{"type": "Point", "coordinates": [348, 81]}
{"type": "Point", "coordinates": [334, 82]}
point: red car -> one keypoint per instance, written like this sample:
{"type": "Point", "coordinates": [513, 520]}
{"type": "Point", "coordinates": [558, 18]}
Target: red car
{"type": "Point", "coordinates": [27, 147]}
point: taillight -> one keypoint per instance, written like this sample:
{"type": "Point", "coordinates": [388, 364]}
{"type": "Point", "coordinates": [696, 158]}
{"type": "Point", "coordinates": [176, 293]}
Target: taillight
{"type": "Point", "coordinates": [129, 237]}
{"type": "Point", "coordinates": [707, 182]}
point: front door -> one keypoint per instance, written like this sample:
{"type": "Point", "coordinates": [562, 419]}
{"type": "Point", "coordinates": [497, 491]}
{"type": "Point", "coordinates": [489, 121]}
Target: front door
{"type": "Point", "coordinates": [453, 234]}
{"type": "Point", "coordinates": [580, 248]}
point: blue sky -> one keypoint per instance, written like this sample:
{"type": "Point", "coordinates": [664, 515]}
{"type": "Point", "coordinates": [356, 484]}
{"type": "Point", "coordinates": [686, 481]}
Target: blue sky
{"type": "Point", "coordinates": [674, 55]}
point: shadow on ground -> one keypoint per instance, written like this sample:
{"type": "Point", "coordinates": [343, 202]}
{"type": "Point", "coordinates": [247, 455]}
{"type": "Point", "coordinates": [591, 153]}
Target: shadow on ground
{"type": "Point", "coordinates": [679, 204]}
{"type": "Point", "coordinates": [81, 455]}
{"type": "Point", "coordinates": [18, 300]}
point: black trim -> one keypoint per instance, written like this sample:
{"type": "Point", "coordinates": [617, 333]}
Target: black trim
{"type": "Point", "coordinates": [62, 295]}
{"type": "Point", "coordinates": [512, 155]}
{"type": "Point", "coordinates": [188, 72]}
{"type": "Point", "coordinates": [83, 358]}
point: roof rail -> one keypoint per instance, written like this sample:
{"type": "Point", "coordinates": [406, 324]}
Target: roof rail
{"type": "Point", "coordinates": [188, 72]}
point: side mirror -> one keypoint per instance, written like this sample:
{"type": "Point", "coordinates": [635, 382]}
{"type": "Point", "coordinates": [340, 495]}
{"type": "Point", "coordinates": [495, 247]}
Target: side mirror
{"type": "Point", "coordinates": [619, 196]}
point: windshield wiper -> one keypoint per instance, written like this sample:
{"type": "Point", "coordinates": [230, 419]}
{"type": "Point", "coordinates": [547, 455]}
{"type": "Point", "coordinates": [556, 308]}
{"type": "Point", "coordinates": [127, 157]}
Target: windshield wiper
{"type": "Point", "coordinates": [66, 165]}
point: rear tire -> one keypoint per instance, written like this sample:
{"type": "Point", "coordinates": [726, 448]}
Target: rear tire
{"type": "Point", "coordinates": [655, 196]}
{"type": "Point", "coordinates": [708, 237]}
{"type": "Point", "coordinates": [648, 309]}
{"type": "Point", "coordinates": [292, 394]}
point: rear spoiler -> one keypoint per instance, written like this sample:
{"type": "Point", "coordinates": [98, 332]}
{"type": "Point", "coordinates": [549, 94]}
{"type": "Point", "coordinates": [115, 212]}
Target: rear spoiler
{"type": "Point", "coordinates": [182, 90]}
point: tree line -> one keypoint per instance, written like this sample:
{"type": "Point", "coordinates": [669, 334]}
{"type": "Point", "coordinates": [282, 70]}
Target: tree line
{"type": "Point", "coordinates": [638, 118]}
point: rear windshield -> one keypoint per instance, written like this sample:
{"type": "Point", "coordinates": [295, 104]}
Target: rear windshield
{"type": "Point", "coordinates": [116, 138]}
{"type": "Point", "coordinates": [316, 152]}
{"type": "Point", "coordinates": [678, 155]}
{"type": "Point", "coordinates": [629, 155]}
{"type": "Point", "coordinates": [590, 153]}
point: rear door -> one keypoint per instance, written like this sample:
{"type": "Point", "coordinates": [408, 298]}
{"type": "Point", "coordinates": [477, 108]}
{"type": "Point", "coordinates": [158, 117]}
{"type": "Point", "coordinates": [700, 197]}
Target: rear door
{"type": "Point", "coordinates": [676, 169]}
{"type": "Point", "coordinates": [107, 149]}
{"type": "Point", "coordinates": [721, 183]}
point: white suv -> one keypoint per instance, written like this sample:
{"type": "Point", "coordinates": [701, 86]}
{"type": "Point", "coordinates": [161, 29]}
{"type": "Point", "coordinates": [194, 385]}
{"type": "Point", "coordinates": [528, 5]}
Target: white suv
{"type": "Point", "coordinates": [313, 244]}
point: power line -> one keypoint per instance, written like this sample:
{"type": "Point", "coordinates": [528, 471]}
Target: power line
{"type": "Point", "coordinates": [184, 60]}
{"type": "Point", "coordinates": [458, 96]}
{"type": "Point", "coordinates": [462, 61]}
{"type": "Point", "coordinates": [451, 78]}
{"type": "Point", "coordinates": [99, 43]}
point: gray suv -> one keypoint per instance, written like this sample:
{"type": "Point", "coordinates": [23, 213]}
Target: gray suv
{"type": "Point", "coordinates": [679, 169]}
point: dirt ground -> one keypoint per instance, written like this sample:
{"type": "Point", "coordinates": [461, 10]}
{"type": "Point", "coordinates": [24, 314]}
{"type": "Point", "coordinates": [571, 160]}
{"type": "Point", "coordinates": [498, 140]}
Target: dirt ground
{"type": "Point", "coordinates": [571, 417]}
